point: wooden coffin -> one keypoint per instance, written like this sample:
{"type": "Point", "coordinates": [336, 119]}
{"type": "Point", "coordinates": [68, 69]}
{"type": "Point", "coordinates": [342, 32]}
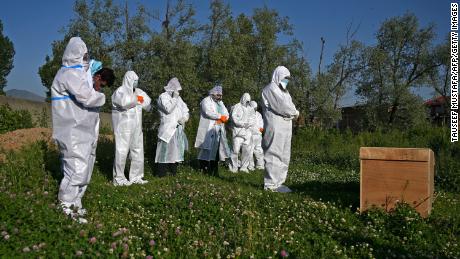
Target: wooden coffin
{"type": "Point", "coordinates": [391, 175]}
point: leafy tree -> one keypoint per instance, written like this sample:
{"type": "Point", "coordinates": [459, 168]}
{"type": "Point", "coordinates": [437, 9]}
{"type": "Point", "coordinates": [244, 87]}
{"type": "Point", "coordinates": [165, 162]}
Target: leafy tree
{"type": "Point", "coordinates": [399, 63]}
{"type": "Point", "coordinates": [269, 54]}
{"type": "Point", "coordinates": [331, 85]}
{"type": "Point", "coordinates": [239, 53]}
{"type": "Point", "coordinates": [171, 53]}
{"type": "Point", "coordinates": [6, 58]}
{"type": "Point", "coordinates": [439, 77]}
{"type": "Point", "coordinates": [300, 86]}
{"type": "Point", "coordinates": [98, 24]}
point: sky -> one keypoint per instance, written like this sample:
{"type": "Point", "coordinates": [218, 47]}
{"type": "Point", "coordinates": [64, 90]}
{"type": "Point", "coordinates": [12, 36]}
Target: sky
{"type": "Point", "coordinates": [34, 25]}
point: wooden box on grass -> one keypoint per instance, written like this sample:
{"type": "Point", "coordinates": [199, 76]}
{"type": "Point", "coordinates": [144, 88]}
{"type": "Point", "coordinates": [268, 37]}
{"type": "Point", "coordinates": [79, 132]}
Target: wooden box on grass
{"type": "Point", "coordinates": [391, 175]}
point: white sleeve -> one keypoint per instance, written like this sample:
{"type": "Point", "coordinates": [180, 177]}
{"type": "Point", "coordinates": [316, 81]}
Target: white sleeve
{"type": "Point", "coordinates": [225, 111]}
{"type": "Point", "coordinates": [124, 100]}
{"type": "Point", "coordinates": [166, 103]}
{"type": "Point", "coordinates": [208, 111]}
{"type": "Point", "coordinates": [184, 110]}
{"type": "Point", "coordinates": [85, 94]}
{"type": "Point", "coordinates": [260, 120]}
{"type": "Point", "coordinates": [280, 103]}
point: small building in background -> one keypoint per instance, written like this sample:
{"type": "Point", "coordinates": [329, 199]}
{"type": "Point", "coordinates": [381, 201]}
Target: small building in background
{"type": "Point", "coordinates": [352, 118]}
{"type": "Point", "coordinates": [439, 110]}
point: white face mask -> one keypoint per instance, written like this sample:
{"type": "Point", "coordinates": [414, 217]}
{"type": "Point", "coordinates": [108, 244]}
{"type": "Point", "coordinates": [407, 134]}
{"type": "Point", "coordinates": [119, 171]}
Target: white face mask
{"type": "Point", "coordinates": [135, 83]}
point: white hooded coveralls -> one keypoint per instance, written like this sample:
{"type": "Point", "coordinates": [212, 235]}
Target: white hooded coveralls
{"type": "Point", "coordinates": [279, 110]}
{"type": "Point", "coordinates": [172, 141]}
{"type": "Point", "coordinates": [127, 126]}
{"type": "Point", "coordinates": [256, 144]}
{"type": "Point", "coordinates": [241, 132]}
{"type": "Point", "coordinates": [75, 117]}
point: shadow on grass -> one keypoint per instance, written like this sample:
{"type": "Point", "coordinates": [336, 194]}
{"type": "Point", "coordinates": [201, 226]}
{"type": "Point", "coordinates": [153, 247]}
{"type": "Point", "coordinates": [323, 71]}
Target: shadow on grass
{"type": "Point", "coordinates": [105, 155]}
{"type": "Point", "coordinates": [52, 161]}
{"type": "Point", "coordinates": [253, 179]}
{"type": "Point", "coordinates": [343, 194]}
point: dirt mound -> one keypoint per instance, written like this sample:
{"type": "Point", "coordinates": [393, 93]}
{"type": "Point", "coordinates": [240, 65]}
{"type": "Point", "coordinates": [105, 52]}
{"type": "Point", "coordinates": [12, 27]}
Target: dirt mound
{"type": "Point", "coordinates": [15, 140]}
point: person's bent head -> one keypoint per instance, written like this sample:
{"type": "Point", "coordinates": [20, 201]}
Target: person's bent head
{"type": "Point", "coordinates": [216, 93]}
{"type": "Point", "coordinates": [104, 77]}
{"type": "Point", "coordinates": [281, 77]}
{"type": "Point", "coordinates": [173, 87]}
{"type": "Point", "coordinates": [245, 99]}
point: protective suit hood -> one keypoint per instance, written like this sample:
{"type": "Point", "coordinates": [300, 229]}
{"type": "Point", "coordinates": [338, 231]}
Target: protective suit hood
{"type": "Point", "coordinates": [253, 104]}
{"type": "Point", "coordinates": [245, 99]}
{"type": "Point", "coordinates": [74, 52]}
{"type": "Point", "coordinates": [173, 85]}
{"type": "Point", "coordinates": [279, 74]}
{"type": "Point", "coordinates": [129, 78]}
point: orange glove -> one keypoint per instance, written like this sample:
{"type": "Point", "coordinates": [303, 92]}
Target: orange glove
{"type": "Point", "coordinates": [224, 118]}
{"type": "Point", "coordinates": [218, 122]}
{"type": "Point", "coordinates": [140, 99]}
{"type": "Point", "coordinates": [261, 130]}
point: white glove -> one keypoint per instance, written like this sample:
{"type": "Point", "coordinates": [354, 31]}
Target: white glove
{"type": "Point", "coordinates": [175, 94]}
{"type": "Point", "coordinates": [297, 113]}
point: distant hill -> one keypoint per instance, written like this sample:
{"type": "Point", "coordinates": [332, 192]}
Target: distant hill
{"type": "Point", "coordinates": [24, 94]}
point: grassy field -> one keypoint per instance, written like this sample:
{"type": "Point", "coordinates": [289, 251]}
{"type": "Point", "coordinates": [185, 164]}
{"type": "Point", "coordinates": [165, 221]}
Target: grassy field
{"type": "Point", "coordinates": [195, 215]}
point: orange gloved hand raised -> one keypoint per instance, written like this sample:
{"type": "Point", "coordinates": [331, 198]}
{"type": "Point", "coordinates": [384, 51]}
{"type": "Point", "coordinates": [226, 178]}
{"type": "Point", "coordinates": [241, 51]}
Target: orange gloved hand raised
{"type": "Point", "coordinates": [261, 130]}
{"type": "Point", "coordinates": [140, 99]}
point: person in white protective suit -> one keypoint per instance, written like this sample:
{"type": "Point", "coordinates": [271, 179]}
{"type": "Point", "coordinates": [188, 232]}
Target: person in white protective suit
{"type": "Point", "coordinates": [74, 110]}
{"type": "Point", "coordinates": [241, 132]}
{"type": "Point", "coordinates": [256, 150]}
{"type": "Point", "coordinates": [98, 76]}
{"type": "Point", "coordinates": [172, 141]}
{"type": "Point", "coordinates": [127, 104]}
{"type": "Point", "coordinates": [211, 137]}
{"type": "Point", "coordinates": [279, 111]}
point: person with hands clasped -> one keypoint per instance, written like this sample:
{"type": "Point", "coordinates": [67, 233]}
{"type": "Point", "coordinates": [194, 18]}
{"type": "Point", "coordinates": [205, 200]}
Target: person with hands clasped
{"type": "Point", "coordinates": [128, 101]}
{"type": "Point", "coordinates": [279, 111]}
{"type": "Point", "coordinates": [211, 139]}
{"type": "Point", "coordinates": [241, 114]}
{"type": "Point", "coordinates": [256, 145]}
{"type": "Point", "coordinates": [172, 141]}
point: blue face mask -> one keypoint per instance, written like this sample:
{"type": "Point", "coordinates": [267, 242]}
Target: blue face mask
{"type": "Point", "coordinates": [284, 83]}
